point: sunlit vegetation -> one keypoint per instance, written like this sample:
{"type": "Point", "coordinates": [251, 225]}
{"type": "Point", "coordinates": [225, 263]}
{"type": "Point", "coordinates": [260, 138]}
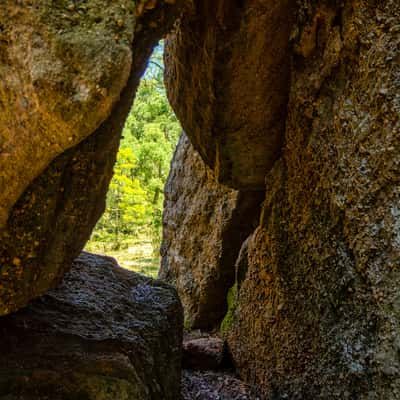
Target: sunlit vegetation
{"type": "Point", "coordinates": [133, 217]}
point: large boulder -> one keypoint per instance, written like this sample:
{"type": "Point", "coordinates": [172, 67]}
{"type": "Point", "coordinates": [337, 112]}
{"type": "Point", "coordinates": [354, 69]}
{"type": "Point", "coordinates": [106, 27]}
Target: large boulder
{"type": "Point", "coordinates": [62, 70]}
{"type": "Point", "coordinates": [316, 313]}
{"type": "Point", "coordinates": [104, 334]}
{"type": "Point", "coordinates": [204, 225]}
{"type": "Point", "coordinates": [228, 75]}
{"type": "Point", "coordinates": [68, 75]}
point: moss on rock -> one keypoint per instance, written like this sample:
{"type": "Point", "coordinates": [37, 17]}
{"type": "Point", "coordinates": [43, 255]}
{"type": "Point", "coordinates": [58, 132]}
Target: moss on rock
{"type": "Point", "coordinates": [231, 299]}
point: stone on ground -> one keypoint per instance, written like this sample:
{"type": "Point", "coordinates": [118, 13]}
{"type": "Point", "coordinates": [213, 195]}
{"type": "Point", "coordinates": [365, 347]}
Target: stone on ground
{"type": "Point", "coordinates": [104, 334]}
{"type": "Point", "coordinates": [204, 353]}
{"type": "Point", "coordinates": [213, 385]}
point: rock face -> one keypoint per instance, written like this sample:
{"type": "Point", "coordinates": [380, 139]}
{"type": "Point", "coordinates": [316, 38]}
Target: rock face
{"type": "Point", "coordinates": [68, 77]}
{"type": "Point", "coordinates": [204, 353]}
{"type": "Point", "coordinates": [204, 226]}
{"type": "Point", "coordinates": [105, 333]}
{"type": "Point", "coordinates": [228, 79]}
{"type": "Point", "coordinates": [300, 99]}
{"type": "Point", "coordinates": [315, 309]}
{"type": "Point", "coordinates": [62, 71]}
{"type": "Point", "coordinates": [317, 315]}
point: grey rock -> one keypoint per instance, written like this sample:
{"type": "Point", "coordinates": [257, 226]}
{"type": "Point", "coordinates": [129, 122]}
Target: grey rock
{"type": "Point", "coordinates": [105, 333]}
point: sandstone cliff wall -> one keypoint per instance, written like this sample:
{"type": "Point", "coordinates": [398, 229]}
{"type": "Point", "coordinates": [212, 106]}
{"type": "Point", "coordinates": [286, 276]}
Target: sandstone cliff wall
{"type": "Point", "coordinates": [314, 313]}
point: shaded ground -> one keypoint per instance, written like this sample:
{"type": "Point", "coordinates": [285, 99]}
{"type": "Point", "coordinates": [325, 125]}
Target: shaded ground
{"type": "Point", "coordinates": [208, 370]}
{"type": "Point", "coordinates": [214, 385]}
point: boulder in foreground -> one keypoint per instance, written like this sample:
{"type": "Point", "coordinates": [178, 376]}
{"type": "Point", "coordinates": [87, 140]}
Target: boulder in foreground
{"type": "Point", "coordinates": [105, 333]}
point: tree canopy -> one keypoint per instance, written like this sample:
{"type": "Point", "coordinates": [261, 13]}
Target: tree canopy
{"type": "Point", "coordinates": [135, 198]}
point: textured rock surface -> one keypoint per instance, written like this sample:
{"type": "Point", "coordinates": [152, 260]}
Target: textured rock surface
{"type": "Point", "coordinates": [105, 333]}
{"type": "Point", "coordinates": [228, 79]}
{"type": "Point", "coordinates": [61, 72]}
{"type": "Point", "coordinates": [317, 315]}
{"type": "Point", "coordinates": [314, 313]}
{"type": "Point", "coordinates": [204, 226]}
{"type": "Point", "coordinates": [212, 385]}
{"type": "Point", "coordinates": [62, 68]}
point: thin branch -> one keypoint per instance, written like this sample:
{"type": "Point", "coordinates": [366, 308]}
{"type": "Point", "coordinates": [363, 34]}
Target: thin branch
{"type": "Point", "coordinates": [157, 65]}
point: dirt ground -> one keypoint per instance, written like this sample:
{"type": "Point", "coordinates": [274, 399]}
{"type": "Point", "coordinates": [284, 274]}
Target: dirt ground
{"type": "Point", "coordinates": [214, 385]}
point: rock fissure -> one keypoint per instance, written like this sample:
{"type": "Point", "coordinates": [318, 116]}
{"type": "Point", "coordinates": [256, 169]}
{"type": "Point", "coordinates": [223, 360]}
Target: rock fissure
{"type": "Point", "coordinates": [282, 206]}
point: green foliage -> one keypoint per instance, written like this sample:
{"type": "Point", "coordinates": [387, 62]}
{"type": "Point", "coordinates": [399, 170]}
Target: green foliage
{"type": "Point", "coordinates": [135, 254]}
{"type": "Point", "coordinates": [135, 198]}
{"type": "Point", "coordinates": [232, 303]}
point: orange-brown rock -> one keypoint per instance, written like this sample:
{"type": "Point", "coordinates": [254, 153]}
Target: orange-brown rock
{"type": "Point", "coordinates": [301, 103]}
{"type": "Point", "coordinates": [68, 75]}
{"type": "Point", "coordinates": [228, 79]}
{"type": "Point", "coordinates": [314, 312]}
{"type": "Point", "coordinates": [317, 312]}
{"type": "Point", "coordinates": [62, 70]}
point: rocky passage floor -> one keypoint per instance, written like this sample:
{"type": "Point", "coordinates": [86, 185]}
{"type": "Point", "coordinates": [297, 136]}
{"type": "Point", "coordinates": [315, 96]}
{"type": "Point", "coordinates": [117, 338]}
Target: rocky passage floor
{"type": "Point", "coordinates": [214, 385]}
{"type": "Point", "coordinates": [208, 373]}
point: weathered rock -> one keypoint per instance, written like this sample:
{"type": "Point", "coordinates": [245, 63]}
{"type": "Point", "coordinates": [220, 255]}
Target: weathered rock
{"type": "Point", "coordinates": [105, 333]}
{"type": "Point", "coordinates": [204, 226]}
{"type": "Point", "coordinates": [314, 312]}
{"type": "Point", "coordinates": [228, 78]}
{"type": "Point", "coordinates": [317, 313]}
{"type": "Point", "coordinates": [204, 353]}
{"type": "Point", "coordinates": [62, 68]}
{"type": "Point", "coordinates": [315, 308]}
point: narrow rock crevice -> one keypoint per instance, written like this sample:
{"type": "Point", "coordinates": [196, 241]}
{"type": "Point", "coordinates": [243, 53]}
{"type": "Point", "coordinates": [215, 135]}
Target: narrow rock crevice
{"type": "Point", "coordinates": [200, 262]}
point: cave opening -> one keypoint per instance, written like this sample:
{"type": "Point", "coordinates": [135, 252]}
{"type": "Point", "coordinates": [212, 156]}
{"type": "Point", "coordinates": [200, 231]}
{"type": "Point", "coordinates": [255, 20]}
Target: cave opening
{"type": "Point", "coordinates": [130, 229]}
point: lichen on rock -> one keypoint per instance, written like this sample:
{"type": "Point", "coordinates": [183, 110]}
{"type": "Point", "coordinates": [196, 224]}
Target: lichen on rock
{"type": "Point", "coordinates": [231, 300]}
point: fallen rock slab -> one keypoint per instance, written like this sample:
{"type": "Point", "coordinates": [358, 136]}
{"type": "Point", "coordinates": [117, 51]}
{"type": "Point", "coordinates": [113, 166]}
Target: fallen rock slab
{"type": "Point", "coordinates": [104, 334]}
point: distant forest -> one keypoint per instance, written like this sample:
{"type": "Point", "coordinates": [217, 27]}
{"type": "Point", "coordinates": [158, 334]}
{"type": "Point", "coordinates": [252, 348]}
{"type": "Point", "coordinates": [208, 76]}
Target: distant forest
{"type": "Point", "coordinates": [135, 198]}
